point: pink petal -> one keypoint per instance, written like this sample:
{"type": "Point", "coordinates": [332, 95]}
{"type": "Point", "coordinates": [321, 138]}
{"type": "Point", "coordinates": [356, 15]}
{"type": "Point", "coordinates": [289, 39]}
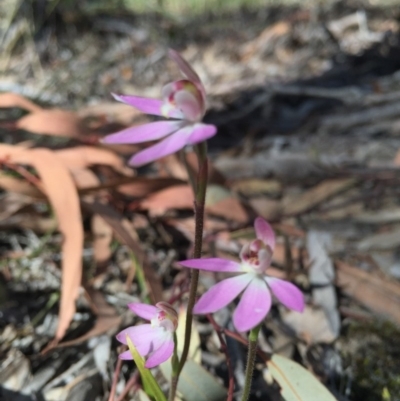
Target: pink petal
{"type": "Point", "coordinates": [126, 356]}
{"type": "Point", "coordinates": [145, 311]}
{"type": "Point", "coordinates": [161, 354]}
{"type": "Point", "coordinates": [144, 133]}
{"type": "Point", "coordinates": [184, 66]}
{"type": "Point", "coordinates": [145, 104]}
{"type": "Point", "coordinates": [264, 232]}
{"type": "Point", "coordinates": [212, 264]}
{"type": "Point", "coordinates": [202, 132]}
{"type": "Point", "coordinates": [222, 293]}
{"type": "Point", "coordinates": [145, 337]}
{"type": "Point", "coordinates": [190, 106]}
{"type": "Point", "coordinates": [134, 331]}
{"type": "Point", "coordinates": [148, 105]}
{"type": "Point", "coordinates": [287, 293]}
{"type": "Point", "coordinates": [253, 306]}
{"type": "Point", "coordinates": [169, 145]}
{"type": "Point", "coordinates": [265, 257]}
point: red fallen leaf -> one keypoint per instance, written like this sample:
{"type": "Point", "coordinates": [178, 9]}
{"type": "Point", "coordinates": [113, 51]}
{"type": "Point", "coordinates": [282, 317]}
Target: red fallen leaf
{"type": "Point", "coordinates": [56, 182]}
{"type": "Point", "coordinates": [81, 157]}
{"type": "Point", "coordinates": [172, 166]}
{"type": "Point", "coordinates": [230, 209]}
{"type": "Point", "coordinates": [52, 122]}
{"type": "Point", "coordinates": [8, 100]}
{"type": "Point", "coordinates": [140, 187]}
{"type": "Point", "coordinates": [102, 238]}
{"type": "Point", "coordinates": [220, 202]}
{"type": "Point", "coordinates": [176, 197]}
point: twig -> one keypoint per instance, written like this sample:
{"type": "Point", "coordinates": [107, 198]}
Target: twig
{"type": "Point", "coordinates": [115, 380]}
{"type": "Point", "coordinates": [224, 349]}
{"type": "Point", "coordinates": [131, 383]}
{"type": "Point", "coordinates": [31, 178]}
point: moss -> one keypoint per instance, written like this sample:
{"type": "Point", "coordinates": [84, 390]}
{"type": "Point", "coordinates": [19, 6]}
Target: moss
{"type": "Point", "coordinates": [376, 361]}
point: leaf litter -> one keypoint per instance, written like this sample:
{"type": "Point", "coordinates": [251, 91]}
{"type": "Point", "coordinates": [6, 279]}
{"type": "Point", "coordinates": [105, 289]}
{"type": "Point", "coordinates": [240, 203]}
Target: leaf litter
{"type": "Point", "coordinates": [306, 101]}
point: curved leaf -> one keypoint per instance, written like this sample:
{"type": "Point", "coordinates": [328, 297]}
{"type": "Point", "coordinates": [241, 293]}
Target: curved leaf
{"type": "Point", "coordinates": [297, 383]}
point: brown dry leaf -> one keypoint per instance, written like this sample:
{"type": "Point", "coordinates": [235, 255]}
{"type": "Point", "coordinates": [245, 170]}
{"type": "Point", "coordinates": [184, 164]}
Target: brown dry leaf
{"type": "Point", "coordinates": [376, 293]}
{"type": "Point", "coordinates": [126, 233]}
{"type": "Point", "coordinates": [176, 197]}
{"type": "Point", "coordinates": [316, 195]}
{"type": "Point", "coordinates": [257, 186]}
{"type": "Point", "coordinates": [12, 184]}
{"type": "Point", "coordinates": [279, 255]}
{"type": "Point", "coordinates": [81, 157]}
{"type": "Point", "coordinates": [29, 221]}
{"type": "Point", "coordinates": [102, 237]}
{"type": "Point", "coordinates": [12, 202]}
{"type": "Point", "coordinates": [107, 320]}
{"type": "Point", "coordinates": [264, 39]}
{"type": "Point", "coordinates": [172, 166]}
{"type": "Point", "coordinates": [230, 209]}
{"type": "Point", "coordinates": [85, 179]}
{"type": "Point", "coordinates": [52, 122]}
{"type": "Point", "coordinates": [8, 100]}
{"type": "Point", "coordinates": [312, 325]}
{"type": "Point", "coordinates": [220, 202]}
{"type": "Point", "coordinates": [396, 160]}
{"type": "Point", "coordinates": [63, 197]}
{"type": "Point", "coordinates": [187, 226]}
{"type": "Point", "coordinates": [139, 187]}
{"type": "Point", "coordinates": [270, 209]}
{"type": "Point", "coordinates": [114, 112]}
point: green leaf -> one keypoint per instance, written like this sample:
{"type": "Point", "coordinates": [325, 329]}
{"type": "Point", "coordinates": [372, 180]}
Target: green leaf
{"type": "Point", "coordinates": [150, 384]}
{"type": "Point", "coordinates": [195, 383]}
{"type": "Point", "coordinates": [297, 383]}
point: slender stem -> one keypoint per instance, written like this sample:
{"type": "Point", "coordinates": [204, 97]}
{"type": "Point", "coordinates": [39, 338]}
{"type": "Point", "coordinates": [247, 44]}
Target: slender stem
{"type": "Point", "coordinates": [251, 357]}
{"type": "Point", "coordinates": [175, 367]}
{"type": "Point", "coordinates": [200, 198]}
{"type": "Point", "coordinates": [111, 397]}
{"type": "Point", "coordinates": [172, 389]}
{"type": "Point", "coordinates": [132, 383]}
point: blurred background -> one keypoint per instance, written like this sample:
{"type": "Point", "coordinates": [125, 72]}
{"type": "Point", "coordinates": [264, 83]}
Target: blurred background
{"type": "Point", "coordinates": [306, 97]}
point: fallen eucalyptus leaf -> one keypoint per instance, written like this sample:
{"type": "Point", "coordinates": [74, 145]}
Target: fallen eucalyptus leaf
{"type": "Point", "coordinates": [297, 383]}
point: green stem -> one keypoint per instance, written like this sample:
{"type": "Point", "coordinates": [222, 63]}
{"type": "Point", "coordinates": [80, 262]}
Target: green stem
{"type": "Point", "coordinates": [174, 374]}
{"type": "Point", "coordinates": [199, 203]}
{"type": "Point", "coordinates": [251, 357]}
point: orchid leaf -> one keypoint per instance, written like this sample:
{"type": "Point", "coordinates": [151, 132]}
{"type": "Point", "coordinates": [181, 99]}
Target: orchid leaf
{"type": "Point", "coordinates": [297, 383]}
{"type": "Point", "coordinates": [150, 384]}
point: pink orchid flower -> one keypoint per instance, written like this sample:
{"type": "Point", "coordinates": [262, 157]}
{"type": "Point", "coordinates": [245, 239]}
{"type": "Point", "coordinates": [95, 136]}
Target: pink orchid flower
{"type": "Point", "coordinates": [154, 340]}
{"type": "Point", "coordinates": [183, 100]}
{"type": "Point", "coordinates": [253, 282]}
